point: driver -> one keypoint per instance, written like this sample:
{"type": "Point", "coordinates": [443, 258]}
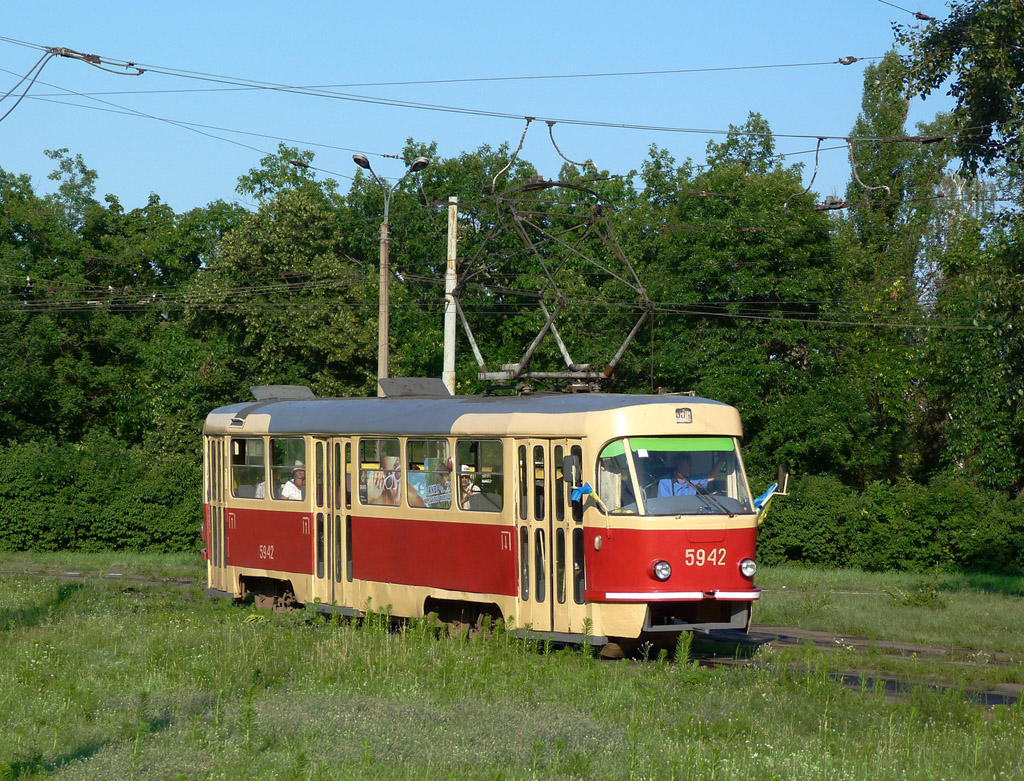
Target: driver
{"type": "Point", "coordinates": [683, 482]}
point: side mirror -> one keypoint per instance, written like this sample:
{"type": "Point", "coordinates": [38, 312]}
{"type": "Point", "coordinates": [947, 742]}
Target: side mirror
{"type": "Point", "coordinates": [572, 471]}
{"type": "Point", "coordinates": [783, 481]}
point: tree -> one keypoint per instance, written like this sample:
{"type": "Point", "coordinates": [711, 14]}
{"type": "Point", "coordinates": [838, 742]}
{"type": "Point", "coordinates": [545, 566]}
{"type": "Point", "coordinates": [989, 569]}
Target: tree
{"type": "Point", "coordinates": [882, 242]}
{"type": "Point", "coordinates": [740, 282]}
{"type": "Point", "coordinates": [282, 291]}
{"type": "Point", "coordinates": [977, 51]}
{"type": "Point", "coordinates": [975, 370]}
{"type": "Point", "coordinates": [419, 226]}
{"type": "Point", "coordinates": [289, 169]}
{"type": "Point", "coordinates": [77, 189]}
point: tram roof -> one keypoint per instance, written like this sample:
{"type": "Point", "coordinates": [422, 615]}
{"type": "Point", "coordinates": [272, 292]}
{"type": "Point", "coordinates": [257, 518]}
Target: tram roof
{"type": "Point", "coordinates": [553, 414]}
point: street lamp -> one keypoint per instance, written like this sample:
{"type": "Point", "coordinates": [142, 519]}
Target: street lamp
{"type": "Point", "coordinates": [382, 305]}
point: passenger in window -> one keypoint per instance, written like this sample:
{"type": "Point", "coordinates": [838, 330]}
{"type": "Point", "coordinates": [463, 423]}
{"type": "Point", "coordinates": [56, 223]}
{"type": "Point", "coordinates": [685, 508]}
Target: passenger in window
{"type": "Point", "coordinates": [467, 488]}
{"type": "Point", "coordinates": [261, 490]}
{"type": "Point", "coordinates": [295, 489]}
{"type": "Point", "coordinates": [683, 482]}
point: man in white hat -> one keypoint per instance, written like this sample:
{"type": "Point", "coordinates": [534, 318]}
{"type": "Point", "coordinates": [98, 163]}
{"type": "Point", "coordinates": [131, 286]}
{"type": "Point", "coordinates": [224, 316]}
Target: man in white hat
{"type": "Point", "coordinates": [295, 489]}
{"type": "Point", "coordinates": [466, 484]}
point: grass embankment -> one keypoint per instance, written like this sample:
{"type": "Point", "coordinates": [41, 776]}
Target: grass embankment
{"type": "Point", "coordinates": [110, 679]}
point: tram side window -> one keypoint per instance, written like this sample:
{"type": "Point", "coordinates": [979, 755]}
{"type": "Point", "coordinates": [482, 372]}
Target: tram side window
{"type": "Point", "coordinates": [429, 473]}
{"type": "Point", "coordinates": [577, 504]}
{"type": "Point", "coordinates": [614, 485]}
{"type": "Point", "coordinates": [380, 471]}
{"type": "Point", "coordinates": [288, 468]}
{"type": "Point", "coordinates": [538, 482]}
{"type": "Point", "coordinates": [559, 484]}
{"type": "Point", "coordinates": [248, 468]}
{"type": "Point", "coordinates": [481, 467]}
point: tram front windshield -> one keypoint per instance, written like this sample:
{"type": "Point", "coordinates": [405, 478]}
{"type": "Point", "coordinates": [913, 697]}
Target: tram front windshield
{"type": "Point", "coordinates": [673, 476]}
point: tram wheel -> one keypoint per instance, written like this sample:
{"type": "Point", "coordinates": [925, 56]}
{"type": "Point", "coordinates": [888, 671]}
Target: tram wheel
{"type": "Point", "coordinates": [263, 601]}
{"type": "Point", "coordinates": [462, 619]}
{"type": "Point", "coordinates": [612, 651]}
{"type": "Point", "coordinates": [271, 594]}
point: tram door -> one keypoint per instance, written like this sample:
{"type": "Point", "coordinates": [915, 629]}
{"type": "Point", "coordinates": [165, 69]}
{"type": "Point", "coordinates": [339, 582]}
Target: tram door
{"type": "Point", "coordinates": [215, 491]}
{"type": "Point", "coordinates": [338, 543]}
{"type": "Point", "coordinates": [325, 586]}
{"type": "Point", "coordinates": [545, 518]}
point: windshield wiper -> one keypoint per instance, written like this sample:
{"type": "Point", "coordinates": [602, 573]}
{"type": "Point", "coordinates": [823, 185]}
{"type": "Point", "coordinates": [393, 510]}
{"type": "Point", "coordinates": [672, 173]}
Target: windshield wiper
{"type": "Point", "coordinates": [705, 496]}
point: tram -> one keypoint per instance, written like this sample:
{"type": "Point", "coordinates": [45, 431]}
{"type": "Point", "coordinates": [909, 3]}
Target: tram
{"type": "Point", "coordinates": [564, 515]}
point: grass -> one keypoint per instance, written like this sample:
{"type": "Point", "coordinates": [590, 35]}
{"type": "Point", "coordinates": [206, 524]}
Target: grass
{"type": "Point", "coordinates": [112, 679]}
{"type": "Point", "coordinates": [953, 611]}
{"type": "Point", "coordinates": [169, 566]}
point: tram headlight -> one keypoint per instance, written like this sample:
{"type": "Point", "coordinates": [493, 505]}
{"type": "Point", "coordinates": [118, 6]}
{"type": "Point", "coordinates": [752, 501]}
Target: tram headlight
{"type": "Point", "coordinates": [662, 570]}
{"type": "Point", "coordinates": [748, 568]}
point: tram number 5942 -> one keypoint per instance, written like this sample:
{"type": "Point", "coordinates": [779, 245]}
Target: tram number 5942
{"type": "Point", "coordinates": [266, 551]}
{"type": "Point", "coordinates": [699, 557]}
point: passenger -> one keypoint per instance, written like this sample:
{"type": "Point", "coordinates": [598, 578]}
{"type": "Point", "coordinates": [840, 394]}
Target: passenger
{"type": "Point", "coordinates": [261, 490]}
{"type": "Point", "coordinates": [466, 485]}
{"type": "Point", "coordinates": [683, 483]}
{"type": "Point", "coordinates": [295, 489]}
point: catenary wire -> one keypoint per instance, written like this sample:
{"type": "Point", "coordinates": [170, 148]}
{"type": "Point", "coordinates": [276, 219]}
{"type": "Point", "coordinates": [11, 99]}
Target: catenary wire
{"type": "Point", "coordinates": [318, 92]}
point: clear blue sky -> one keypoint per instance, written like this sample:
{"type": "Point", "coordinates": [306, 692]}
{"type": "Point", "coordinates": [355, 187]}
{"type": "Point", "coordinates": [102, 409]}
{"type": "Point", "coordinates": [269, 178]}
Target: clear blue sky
{"type": "Point", "coordinates": [316, 43]}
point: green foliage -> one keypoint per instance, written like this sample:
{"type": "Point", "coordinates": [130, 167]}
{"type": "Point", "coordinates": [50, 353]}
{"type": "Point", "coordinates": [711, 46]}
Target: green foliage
{"type": "Point", "coordinates": [288, 170]}
{"type": "Point", "coordinates": [98, 496]}
{"type": "Point", "coordinates": [947, 524]}
{"type": "Point", "coordinates": [976, 375]}
{"type": "Point", "coordinates": [77, 188]}
{"type": "Point", "coordinates": [976, 51]}
{"type": "Point", "coordinates": [921, 594]}
{"type": "Point", "coordinates": [808, 525]}
{"type": "Point", "coordinates": [289, 299]}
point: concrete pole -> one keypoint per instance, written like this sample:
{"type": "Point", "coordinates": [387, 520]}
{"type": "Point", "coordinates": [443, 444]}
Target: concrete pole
{"type": "Point", "coordinates": [418, 164]}
{"type": "Point", "coordinates": [448, 374]}
{"type": "Point", "coordinates": [382, 306]}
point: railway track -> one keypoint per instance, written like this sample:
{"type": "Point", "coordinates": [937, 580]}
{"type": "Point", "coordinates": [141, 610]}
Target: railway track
{"type": "Point", "coordinates": [730, 648]}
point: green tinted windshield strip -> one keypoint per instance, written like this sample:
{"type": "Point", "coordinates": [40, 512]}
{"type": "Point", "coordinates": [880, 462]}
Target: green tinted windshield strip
{"type": "Point", "coordinates": [667, 444]}
{"type": "Point", "coordinates": [679, 444]}
{"type": "Point", "coordinates": [613, 449]}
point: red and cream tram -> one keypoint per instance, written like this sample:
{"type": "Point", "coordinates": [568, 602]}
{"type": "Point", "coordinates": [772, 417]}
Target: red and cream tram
{"type": "Point", "coordinates": [565, 515]}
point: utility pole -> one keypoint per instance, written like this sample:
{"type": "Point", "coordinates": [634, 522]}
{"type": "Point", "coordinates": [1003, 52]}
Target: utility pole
{"type": "Point", "coordinates": [383, 308]}
{"type": "Point", "coordinates": [383, 320]}
{"type": "Point", "coordinates": [448, 374]}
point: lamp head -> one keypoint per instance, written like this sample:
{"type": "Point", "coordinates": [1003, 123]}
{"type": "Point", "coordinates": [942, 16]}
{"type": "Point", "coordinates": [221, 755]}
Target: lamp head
{"type": "Point", "coordinates": [361, 161]}
{"type": "Point", "coordinates": [419, 164]}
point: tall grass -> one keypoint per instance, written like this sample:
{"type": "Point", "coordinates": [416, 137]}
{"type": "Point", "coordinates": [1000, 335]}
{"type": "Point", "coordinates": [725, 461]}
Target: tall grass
{"type": "Point", "coordinates": [106, 679]}
{"type": "Point", "coordinates": [945, 609]}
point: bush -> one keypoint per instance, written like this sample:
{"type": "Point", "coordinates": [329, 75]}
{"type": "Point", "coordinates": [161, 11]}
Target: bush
{"type": "Point", "coordinates": [948, 524]}
{"type": "Point", "coordinates": [807, 525]}
{"type": "Point", "coordinates": [97, 495]}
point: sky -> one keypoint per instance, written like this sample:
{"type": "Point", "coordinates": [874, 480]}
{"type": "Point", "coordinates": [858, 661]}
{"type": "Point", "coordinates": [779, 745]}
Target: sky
{"type": "Point", "coordinates": [187, 128]}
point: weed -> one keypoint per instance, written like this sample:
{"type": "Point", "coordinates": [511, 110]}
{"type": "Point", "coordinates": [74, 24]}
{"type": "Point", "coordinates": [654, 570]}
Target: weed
{"type": "Point", "coordinates": [817, 600]}
{"type": "Point", "coordinates": [683, 645]}
{"type": "Point", "coordinates": [921, 594]}
{"type": "Point", "coordinates": [247, 716]}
